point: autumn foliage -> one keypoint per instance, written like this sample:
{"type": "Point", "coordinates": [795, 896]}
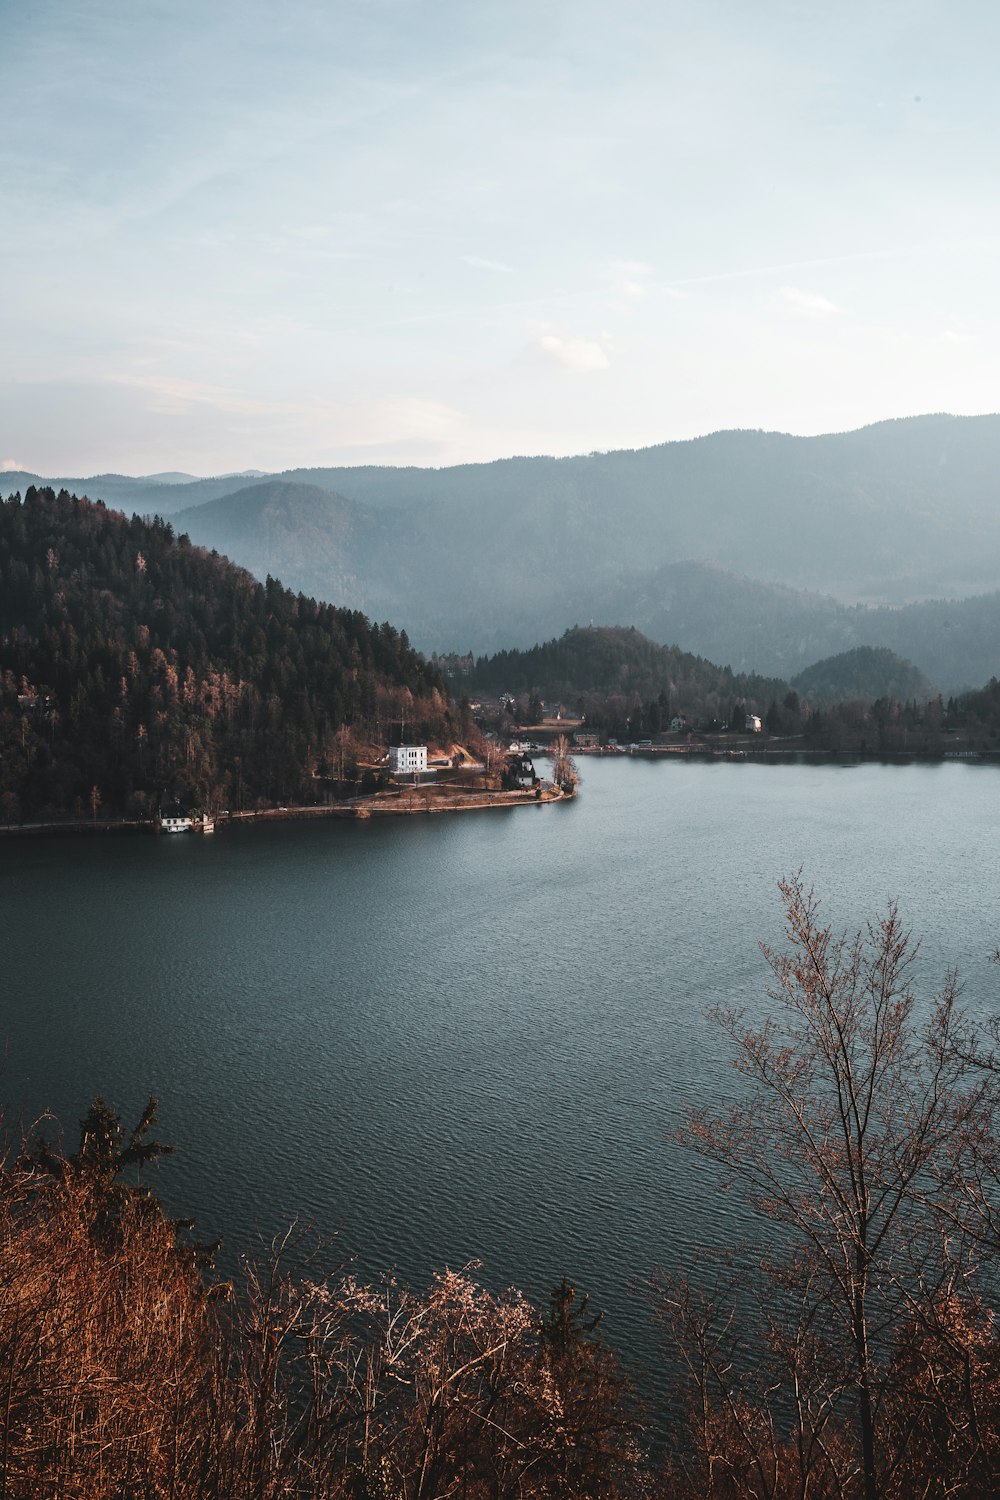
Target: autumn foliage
{"type": "Point", "coordinates": [867, 1134]}
{"type": "Point", "coordinates": [134, 665]}
{"type": "Point", "coordinates": [126, 1370]}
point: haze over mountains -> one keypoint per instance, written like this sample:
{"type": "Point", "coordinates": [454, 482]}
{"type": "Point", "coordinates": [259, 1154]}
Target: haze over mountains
{"type": "Point", "coordinates": [597, 668]}
{"type": "Point", "coordinates": [759, 549]}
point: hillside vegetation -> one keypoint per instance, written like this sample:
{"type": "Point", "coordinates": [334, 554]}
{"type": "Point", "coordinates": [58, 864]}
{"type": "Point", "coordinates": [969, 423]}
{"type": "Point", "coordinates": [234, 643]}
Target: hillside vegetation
{"type": "Point", "coordinates": [132, 1372]}
{"type": "Point", "coordinates": [133, 663]}
{"type": "Point", "coordinates": [609, 663]}
{"type": "Point", "coordinates": [866, 672]}
{"type": "Point", "coordinates": [866, 701]}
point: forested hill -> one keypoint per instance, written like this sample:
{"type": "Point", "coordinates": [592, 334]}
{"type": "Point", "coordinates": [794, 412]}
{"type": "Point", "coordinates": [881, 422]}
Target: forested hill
{"type": "Point", "coordinates": [867, 672]}
{"type": "Point", "coordinates": [133, 664]}
{"type": "Point", "coordinates": [619, 663]}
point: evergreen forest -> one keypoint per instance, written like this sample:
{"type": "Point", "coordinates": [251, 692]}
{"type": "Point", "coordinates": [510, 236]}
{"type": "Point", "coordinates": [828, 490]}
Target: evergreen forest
{"type": "Point", "coordinates": [865, 701]}
{"type": "Point", "coordinates": [135, 666]}
{"type": "Point", "coordinates": [604, 670]}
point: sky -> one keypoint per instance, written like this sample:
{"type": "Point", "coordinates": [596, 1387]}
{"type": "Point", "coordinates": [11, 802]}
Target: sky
{"type": "Point", "coordinates": [265, 235]}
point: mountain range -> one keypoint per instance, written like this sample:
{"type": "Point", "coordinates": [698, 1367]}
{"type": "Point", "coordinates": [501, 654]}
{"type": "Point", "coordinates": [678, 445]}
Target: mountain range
{"type": "Point", "coordinates": [763, 550]}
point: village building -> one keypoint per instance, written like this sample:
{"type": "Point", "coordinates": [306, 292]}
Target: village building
{"type": "Point", "coordinates": [407, 760]}
{"type": "Point", "coordinates": [522, 769]}
{"type": "Point", "coordinates": [174, 818]}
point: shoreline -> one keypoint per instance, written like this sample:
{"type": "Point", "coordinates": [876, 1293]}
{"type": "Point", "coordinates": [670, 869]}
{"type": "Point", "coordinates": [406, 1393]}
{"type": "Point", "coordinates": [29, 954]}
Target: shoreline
{"type": "Point", "coordinates": [404, 804]}
{"type": "Point", "coordinates": [415, 802]}
{"type": "Point", "coordinates": [787, 754]}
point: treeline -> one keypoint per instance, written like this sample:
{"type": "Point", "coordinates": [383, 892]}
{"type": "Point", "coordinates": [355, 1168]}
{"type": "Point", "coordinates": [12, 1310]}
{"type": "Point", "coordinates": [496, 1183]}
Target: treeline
{"type": "Point", "coordinates": [133, 663]}
{"type": "Point", "coordinates": [856, 1358]}
{"type": "Point", "coordinates": [887, 725]}
{"type": "Point", "coordinates": [979, 712]}
{"type": "Point", "coordinates": [867, 700]}
{"type": "Point", "coordinates": [606, 663]}
{"type": "Point", "coordinates": [879, 726]}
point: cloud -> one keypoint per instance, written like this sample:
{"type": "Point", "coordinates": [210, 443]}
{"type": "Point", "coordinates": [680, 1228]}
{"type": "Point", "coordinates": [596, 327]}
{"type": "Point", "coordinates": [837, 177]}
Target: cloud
{"type": "Point", "coordinates": [583, 356]}
{"type": "Point", "coordinates": [10, 466]}
{"type": "Point", "coordinates": [400, 418]}
{"type": "Point", "coordinates": [171, 395]}
{"type": "Point", "coordinates": [860, 257]}
{"type": "Point", "coordinates": [487, 265]}
{"type": "Point", "coordinates": [952, 336]}
{"type": "Point", "coordinates": [806, 304]}
{"type": "Point", "coordinates": [389, 419]}
{"type": "Point", "coordinates": [630, 278]}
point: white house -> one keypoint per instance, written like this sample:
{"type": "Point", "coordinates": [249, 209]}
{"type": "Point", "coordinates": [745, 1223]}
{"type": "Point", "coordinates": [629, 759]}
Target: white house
{"type": "Point", "coordinates": [405, 760]}
{"type": "Point", "coordinates": [752, 724]}
{"type": "Point", "coordinates": [174, 818]}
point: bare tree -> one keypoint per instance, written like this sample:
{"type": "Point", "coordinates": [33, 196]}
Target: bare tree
{"type": "Point", "coordinates": [127, 1370]}
{"type": "Point", "coordinates": [863, 1134]}
{"type": "Point", "coordinates": [564, 772]}
{"type": "Point", "coordinates": [494, 761]}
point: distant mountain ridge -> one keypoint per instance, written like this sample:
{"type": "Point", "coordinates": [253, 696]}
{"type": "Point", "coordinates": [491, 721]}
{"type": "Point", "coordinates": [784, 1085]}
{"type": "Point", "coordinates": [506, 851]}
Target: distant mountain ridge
{"type": "Point", "coordinates": [749, 547]}
{"type": "Point", "coordinates": [774, 629]}
{"type": "Point", "coordinates": [278, 528]}
{"type": "Point", "coordinates": [145, 495]}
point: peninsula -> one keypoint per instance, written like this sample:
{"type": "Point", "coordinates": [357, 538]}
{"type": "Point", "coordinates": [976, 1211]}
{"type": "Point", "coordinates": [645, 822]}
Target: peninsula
{"type": "Point", "coordinates": [137, 671]}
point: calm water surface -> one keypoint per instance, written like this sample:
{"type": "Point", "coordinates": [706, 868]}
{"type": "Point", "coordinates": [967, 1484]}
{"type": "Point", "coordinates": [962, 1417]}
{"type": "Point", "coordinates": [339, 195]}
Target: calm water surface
{"type": "Point", "coordinates": [473, 1036]}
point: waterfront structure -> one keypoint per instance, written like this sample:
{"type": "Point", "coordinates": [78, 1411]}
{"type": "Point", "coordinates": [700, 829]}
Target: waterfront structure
{"type": "Point", "coordinates": [174, 818]}
{"type": "Point", "coordinates": [407, 760]}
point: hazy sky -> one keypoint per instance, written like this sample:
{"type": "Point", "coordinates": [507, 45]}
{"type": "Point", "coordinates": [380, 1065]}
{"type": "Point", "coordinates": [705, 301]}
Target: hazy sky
{"type": "Point", "coordinates": [322, 231]}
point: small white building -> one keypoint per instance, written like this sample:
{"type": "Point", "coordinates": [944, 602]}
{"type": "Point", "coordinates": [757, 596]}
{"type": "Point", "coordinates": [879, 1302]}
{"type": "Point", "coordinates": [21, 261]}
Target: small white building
{"type": "Point", "coordinates": [407, 760]}
{"type": "Point", "coordinates": [752, 724]}
{"type": "Point", "coordinates": [174, 818]}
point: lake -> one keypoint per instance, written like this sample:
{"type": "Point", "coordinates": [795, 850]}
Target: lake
{"type": "Point", "coordinates": [468, 1036]}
